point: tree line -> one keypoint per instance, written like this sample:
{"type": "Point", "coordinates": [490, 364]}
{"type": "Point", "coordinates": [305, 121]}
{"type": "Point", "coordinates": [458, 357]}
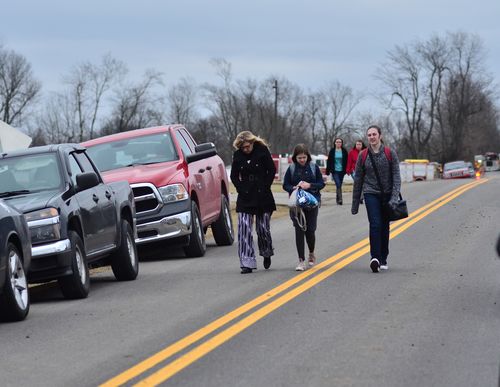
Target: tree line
{"type": "Point", "coordinates": [437, 99]}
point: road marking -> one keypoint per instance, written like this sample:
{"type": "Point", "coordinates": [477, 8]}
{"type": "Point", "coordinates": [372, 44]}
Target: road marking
{"type": "Point", "coordinates": [353, 252]}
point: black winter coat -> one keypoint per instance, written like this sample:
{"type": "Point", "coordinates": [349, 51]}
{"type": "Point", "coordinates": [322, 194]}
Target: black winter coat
{"type": "Point", "coordinates": [330, 162]}
{"type": "Point", "coordinates": [252, 176]}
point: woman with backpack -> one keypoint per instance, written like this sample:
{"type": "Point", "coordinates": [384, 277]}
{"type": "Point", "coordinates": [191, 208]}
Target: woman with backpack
{"type": "Point", "coordinates": [306, 175]}
{"type": "Point", "coordinates": [378, 179]}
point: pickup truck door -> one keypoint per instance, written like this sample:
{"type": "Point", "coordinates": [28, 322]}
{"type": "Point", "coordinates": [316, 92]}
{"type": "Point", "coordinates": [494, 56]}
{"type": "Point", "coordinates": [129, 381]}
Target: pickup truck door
{"type": "Point", "coordinates": [202, 175]}
{"type": "Point", "coordinates": [101, 205]}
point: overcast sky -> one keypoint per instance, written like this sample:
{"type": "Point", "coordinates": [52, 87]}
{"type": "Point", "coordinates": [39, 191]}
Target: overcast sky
{"type": "Point", "coordinates": [308, 42]}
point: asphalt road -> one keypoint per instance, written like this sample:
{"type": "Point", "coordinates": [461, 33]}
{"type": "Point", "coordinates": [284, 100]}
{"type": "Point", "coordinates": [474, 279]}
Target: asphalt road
{"type": "Point", "coordinates": [432, 320]}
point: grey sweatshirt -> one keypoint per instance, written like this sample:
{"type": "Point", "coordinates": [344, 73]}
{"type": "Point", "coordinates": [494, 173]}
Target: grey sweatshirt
{"type": "Point", "coordinates": [365, 179]}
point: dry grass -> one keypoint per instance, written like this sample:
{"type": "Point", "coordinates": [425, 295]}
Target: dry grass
{"type": "Point", "coordinates": [277, 187]}
{"type": "Point", "coordinates": [281, 210]}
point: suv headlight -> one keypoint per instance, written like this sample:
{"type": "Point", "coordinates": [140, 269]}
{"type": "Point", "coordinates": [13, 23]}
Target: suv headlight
{"type": "Point", "coordinates": [173, 193]}
{"type": "Point", "coordinates": [44, 225]}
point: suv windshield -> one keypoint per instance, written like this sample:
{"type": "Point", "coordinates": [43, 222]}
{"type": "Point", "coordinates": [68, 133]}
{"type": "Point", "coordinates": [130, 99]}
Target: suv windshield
{"type": "Point", "coordinates": [24, 174]}
{"type": "Point", "coordinates": [157, 148]}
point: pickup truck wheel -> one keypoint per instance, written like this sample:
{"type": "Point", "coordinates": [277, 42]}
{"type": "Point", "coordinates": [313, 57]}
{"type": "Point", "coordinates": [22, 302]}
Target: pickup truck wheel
{"type": "Point", "coordinates": [77, 284]}
{"type": "Point", "coordinates": [197, 245]}
{"type": "Point", "coordinates": [222, 228]}
{"type": "Point", "coordinates": [14, 301]}
{"type": "Point", "coordinates": [124, 261]}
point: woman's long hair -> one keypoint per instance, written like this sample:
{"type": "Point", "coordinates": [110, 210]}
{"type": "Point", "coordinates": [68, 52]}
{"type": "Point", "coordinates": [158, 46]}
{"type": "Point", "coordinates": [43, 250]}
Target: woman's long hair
{"type": "Point", "coordinates": [247, 136]}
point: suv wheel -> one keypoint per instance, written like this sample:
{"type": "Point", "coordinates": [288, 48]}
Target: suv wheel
{"type": "Point", "coordinates": [124, 260]}
{"type": "Point", "coordinates": [197, 245]}
{"type": "Point", "coordinates": [77, 284]}
{"type": "Point", "coordinates": [222, 228]}
{"type": "Point", "coordinates": [14, 300]}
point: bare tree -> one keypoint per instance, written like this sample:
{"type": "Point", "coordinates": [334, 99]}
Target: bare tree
{"type": "Point", "coordinates": [337, 103]}
{"type": "Point", "coordinates": [87, 84]}
{"type": "Point", "coordinates": [182, 100]}
{"type": "Point", "coordinates": [18, 87]}
{"type": "Point", "coordinates": [222, 100]}
{"type": "Point", "coordinates": [58, 120]}
{"type": "Point", "coordinates": [413, 76]}
{"type": "Point", "coordinates": [136, 106]}
{"type": "Point", "coordinates": [467, 97]}
{"type": "Point", "coordinates": [440, 86]}
{"type": "Point", "coordinates": [249, 105]}
{"type": "Point", "coordinates": [291, 126]}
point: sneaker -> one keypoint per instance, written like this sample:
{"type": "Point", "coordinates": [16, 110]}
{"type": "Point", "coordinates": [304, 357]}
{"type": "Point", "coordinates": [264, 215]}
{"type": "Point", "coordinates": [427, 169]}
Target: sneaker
{"type": "Point", "coordinates": [246, 270]}
{"type": "Point", "coordinates": [312, 259]}
{"type": "Point", "coordinates": [267, 262]}
{"type": "Point", "coordinates": [374, 265]}
{"type": "Point", "coordinates": [301, 266]}
{"type": "Point", "coordinates": [384, 267]}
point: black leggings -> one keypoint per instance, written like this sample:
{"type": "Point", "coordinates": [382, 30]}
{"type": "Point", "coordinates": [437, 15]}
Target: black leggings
{"type": "Point", "coordinates": [309, 234]}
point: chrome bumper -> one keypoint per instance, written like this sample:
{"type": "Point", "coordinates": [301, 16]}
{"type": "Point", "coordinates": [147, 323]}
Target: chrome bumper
{"type": "Point", "coordinates": [168, 227]}
{"type": "Point", "coordinates": [51, 248]}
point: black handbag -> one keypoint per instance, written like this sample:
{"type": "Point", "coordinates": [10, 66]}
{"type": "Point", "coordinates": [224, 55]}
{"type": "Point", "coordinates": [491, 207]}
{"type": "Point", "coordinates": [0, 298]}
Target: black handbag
{"type": "Point", "coordinates": [400, 211]}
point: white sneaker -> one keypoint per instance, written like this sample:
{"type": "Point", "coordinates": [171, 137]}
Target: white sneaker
{"type": "Point", "coordinates": [374, 265]}
{"type": "Point", "coordinates": [301, 266]}
{"type": "Point", "coordinates": [312, 259]}
{"type": "Point", "coordinates": [384, 267]}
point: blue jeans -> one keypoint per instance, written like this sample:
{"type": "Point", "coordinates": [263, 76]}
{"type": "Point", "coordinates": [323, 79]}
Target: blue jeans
{"type": "Point", "coordinates": [338, 178]}
{"type": "Point", "coordinates": [379, 226]}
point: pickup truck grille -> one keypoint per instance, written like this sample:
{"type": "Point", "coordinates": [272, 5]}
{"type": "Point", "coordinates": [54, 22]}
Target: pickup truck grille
{"type": "Point", "coordinates": [146, 197]}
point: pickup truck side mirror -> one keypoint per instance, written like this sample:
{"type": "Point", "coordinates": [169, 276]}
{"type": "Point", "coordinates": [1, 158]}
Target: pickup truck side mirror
{"type": "Point", "coordinates": [202, 151]}
{"type": "Point", "coordinates": [86, 180]}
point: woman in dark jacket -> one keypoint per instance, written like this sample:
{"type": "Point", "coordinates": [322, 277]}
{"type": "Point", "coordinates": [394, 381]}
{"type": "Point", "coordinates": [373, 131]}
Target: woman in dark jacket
{"type": "Point", "coordinates": [252, 173]}
{"type": "Point", "coordinates": [337, 165]}
{"type": "Point", "coordinates": [301, 174]}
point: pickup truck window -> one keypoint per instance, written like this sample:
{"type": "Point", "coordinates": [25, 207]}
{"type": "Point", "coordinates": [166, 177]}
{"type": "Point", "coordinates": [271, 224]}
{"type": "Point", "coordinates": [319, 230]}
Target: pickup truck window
{"type": "Point", "coordinates": [74, 168]}
{"type": "Point", "coordinates": [84, 162]}
{"type": "Point", "coordinates": [188, 139]}
{"type": "Point", "coordinates": [183, 143]}
{"type": "Point", "coordinates": [152, 149]}
{"type": "Point", "coordinates": [30, 173]}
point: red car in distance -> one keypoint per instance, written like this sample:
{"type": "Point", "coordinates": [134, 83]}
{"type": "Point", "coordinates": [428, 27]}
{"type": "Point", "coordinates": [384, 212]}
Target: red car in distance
{"type": "Point", "coordinates": [458, 169]}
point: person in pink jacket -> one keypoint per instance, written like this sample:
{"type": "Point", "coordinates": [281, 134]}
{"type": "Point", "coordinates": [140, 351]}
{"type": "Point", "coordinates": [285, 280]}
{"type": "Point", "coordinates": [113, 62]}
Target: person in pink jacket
{"type": "Point", "coordinates": [352, 158]}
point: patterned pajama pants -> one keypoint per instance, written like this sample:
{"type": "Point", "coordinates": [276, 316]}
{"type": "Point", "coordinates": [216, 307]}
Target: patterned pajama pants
{"type": "Point", "coordinates": [246, 249]}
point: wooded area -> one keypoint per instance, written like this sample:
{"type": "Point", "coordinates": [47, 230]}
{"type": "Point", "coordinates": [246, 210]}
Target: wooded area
{"type": "Point", "coordinates": [437, 101]}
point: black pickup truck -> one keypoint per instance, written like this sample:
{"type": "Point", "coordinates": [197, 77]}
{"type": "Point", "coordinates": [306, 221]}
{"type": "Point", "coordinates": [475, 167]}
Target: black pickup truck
{"type": "Point", "coordinates": [75, 219]}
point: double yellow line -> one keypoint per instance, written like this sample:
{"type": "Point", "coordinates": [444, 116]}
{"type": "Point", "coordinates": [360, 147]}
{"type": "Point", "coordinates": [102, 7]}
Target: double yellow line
{"type": "Point", "coordinates": [352, 253]}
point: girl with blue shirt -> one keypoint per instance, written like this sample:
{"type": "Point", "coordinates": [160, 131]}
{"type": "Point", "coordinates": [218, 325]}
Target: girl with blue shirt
{"type": "Point", "coordinates": [336, 165]}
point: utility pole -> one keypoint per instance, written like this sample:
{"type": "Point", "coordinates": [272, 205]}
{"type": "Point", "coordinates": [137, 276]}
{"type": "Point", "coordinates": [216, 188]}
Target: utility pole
{"type": "Point", "coordinates": [275, 123]}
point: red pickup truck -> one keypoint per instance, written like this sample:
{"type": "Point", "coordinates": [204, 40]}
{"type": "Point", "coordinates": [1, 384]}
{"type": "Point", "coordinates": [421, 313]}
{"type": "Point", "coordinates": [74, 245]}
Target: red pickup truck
{"type": "Point", "coordinates": [180, 188]}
